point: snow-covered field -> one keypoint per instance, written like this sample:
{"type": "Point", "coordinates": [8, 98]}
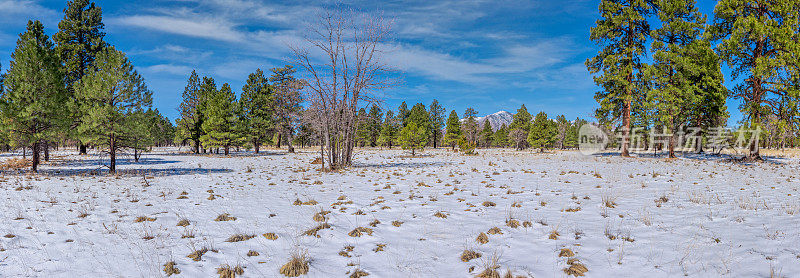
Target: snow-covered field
{"type": "Point", "coordinates": [634, 217]}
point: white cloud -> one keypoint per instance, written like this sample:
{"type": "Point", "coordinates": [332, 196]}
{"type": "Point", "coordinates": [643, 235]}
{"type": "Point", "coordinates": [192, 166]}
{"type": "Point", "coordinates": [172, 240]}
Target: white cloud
{"type": "Point", "coordinates": [168, 69]}
{"type": "Point", "coordinates": [193, 27]}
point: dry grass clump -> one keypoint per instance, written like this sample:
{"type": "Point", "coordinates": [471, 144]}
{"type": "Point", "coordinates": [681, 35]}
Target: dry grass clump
{"type": "Point", "coordinates": [297, 265]}
{"type": "Point", "coordinates": [440, 214]}
{"type": "Point", "coordinates": [468, 255]}
{"type": "Point", "coordinates": [488, 204]}
{"type": "Point", "coordinates": [576, 268]}
{"type": "Point", "coordinates": [379, 247]}
{"type": "Point", "coordinates": [313, 231]}
{"type": "Point", "coordinates": [553, 234]}
{"type": "Point", "coordinates": [513, 223]}
{"type": "Point", "coordinates": [358, 273]}
{"type": "Point", "coordinates": [169, 269]}
{"type": "Point", "coordinates": [225, 217]}
{"type": "Point", "coordinates": [321, 216]}
{"type": "Point", "coordinates": [197, 255]}
{"type": "Point", "coordinates": [15, 164]}
{"type": "Point", "coordinates": [226, 271]}
{"type": "Point", "coordinates": [271, 236]}
{"type": "Point", "coordinates": [239, 237]}
{"type": "Point", "coordinates": [143, 219]}
{"type": "Point", "coordinates": [183, 223]}
{"type": "Point", "coordinates": [482, 238]}
{"type": "Point", "coordinates": [397, 223]}
{"type": "Point", "coordinates": [490, 268]}
{"type": "Point", "coordinates": [357, 232]}
{"type": "Point", "coordinates": [495, 231]}
{"type": "Point", "coordinates": [374, 223]}
{"type": "Point", "coordinates": [252, 253]}
{"type": "Point", "coordinates": [346, 252]}
{"type": "Point", "coordinates": [565, 252]}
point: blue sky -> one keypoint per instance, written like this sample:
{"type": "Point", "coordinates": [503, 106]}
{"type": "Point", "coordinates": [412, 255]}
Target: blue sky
{"type": "Point", "coordinates": [490, 55]}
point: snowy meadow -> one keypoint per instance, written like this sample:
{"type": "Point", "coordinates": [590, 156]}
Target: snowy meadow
{"type": "Point", "coordinates": [441, 214]}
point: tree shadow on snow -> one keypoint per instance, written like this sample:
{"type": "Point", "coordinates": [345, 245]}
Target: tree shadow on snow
{"type": "Point", "coordinates": [90, 172]}
{"type": "Point", "coordinates": [733, 158]}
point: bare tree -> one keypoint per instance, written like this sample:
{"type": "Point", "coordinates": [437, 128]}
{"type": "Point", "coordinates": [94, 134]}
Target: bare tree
{"type": "Point", "coordinates": [347, 71]}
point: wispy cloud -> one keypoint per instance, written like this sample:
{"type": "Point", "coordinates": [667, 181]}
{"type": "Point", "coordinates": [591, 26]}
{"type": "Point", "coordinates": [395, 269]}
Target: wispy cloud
{"type": "Point", "coordinates": [192, 27]}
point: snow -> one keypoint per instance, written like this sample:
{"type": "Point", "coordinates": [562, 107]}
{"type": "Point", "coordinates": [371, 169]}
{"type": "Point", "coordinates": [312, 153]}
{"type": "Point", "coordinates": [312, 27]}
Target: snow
{"type": "Point", "coordinates": [701, 217]}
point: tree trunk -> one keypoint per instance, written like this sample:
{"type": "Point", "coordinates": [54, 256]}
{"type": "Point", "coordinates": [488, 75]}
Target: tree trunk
{"type": "Point", "coordinates": [227, 148]}
{"type": "Point", "coordinates": [672, 145]}
{"type": "Point", "coordinates": [113, 157]}
{"type": "Point", "coordinates": [82, 148]}
{"type": "Point", "coordinates": [289, 141]}
{"type": "Point", "coordinates": [278, 142]}
{"type": "Point", "coordinates": [257, 146]}
{"type": "Point", "coordinates": [46, 151]}
{"type": "Point", "coordinates": [35, 158]}
{"type": "Point", "coordinates": [196, 147]}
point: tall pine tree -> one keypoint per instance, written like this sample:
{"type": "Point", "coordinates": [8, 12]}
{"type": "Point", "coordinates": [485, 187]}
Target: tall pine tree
{"type": "Point", "coordinates": [453, 130]}
{"type": "Point", "coordinates": [78, 42]}
{"type": "Point", "coordinates": [256, 107]}
{"type": "Point", "coordinates": [219, 127]}
{"type": "Point", "coordinates": [114, 92]}
{"type": "Point", "coordinates": [622, 32]}
{"type": "Point", "coordinates": [34, 97]}
{"type": "Point", "coordinates": [756, 40]}
{"type": "Point", "coordinates": [436, 113]}
{"type": "Point", "coordinates": [191, 115]}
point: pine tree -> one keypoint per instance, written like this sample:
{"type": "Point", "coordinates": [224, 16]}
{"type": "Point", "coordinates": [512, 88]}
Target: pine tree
{"type": "Point", "coordinates": [33, 101]}
{"type": "Point", "coordinates": [500, 137]}
{"type": "Point", "coordinates": [402, 113]}
{"type": "Point", "coordinates": [758, 40]}
{"type": "Point", "coordinates": [622, 32]}
{"type": "Point", "coordinates": [113, 91]}
{"type": "Point", "coordinates": [518, 129]}
{"type": "Point", "coordinates": [389, 130]}
{"type": "Point", "coordinates": [436, 113]}
{"type": "Point", "coordinates": [286, 102]}
{"type": "Point", "coordinates": [191, 114]}
{"type": "Point", "coordinates": [362, 130]}
{"type": "Point", "coordinates": [453, 130]}
{"type": "Point", "coordinates": [486, 134]}
{"type": "Point", "coordinates": [685, 69]}
{"type": "Point", "coordinates": [221, 120]}
{"type": "Point", "coordinates": [78, 42]}
{"type": "Point", "coordinates": [374, 125]}
{"type": "Point", "coordinates": [256, 107]}
{"type": "Point", "coordinates": [419, 115]}
{"type": "Point", "coordinates": [543, 132]}
{"type": "Point", "coordinates": [413, 137]}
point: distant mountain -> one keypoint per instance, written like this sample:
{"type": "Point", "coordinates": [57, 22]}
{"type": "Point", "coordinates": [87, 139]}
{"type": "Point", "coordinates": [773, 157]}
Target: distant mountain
{"type": "Point", "coordinates": [496, 120]}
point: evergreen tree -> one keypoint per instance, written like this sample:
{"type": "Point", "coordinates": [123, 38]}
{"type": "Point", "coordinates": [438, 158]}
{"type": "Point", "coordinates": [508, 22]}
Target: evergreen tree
{"type": "Point", "coordinates": [362, 129]}
{"type": "Point", "coordinates": [486, 135]}
{"type": "Point", "coordinates": [2, 78]}
{"type": "Point", "coordinates": [402, 113]}
{"type": "Point", "coordinates": [543, 132]}
{"type": "Point", "coordinates": [453, 130]}
{"type": "Point", "coordinates": [33, 102]}
{"type": "Point", "coordinates": [79, 40]}
{"type": "Point", "coordinates": [419, 115]}
{"type": "Point", "coordinates": [436, 113]}
{"type": "Point", "coordinates": [389, 130]}
{"type": "Point", "coordinates": [685, 68]}
{"type": "Point", "coordinates": [500, 137]}
{"type": "Point", "coordinates": [191, 114]}
{"type": "Point", "coordinates": [571, 140]}
{"type": "Point", "coordinates": [622, 31]}
{"type": "Point", "coordinates": [113, 91]}
{"type": "Point", "coordinates": [221, 120]}
{"type": "Point", "coordinates": [286, 102]}
{"type": "Point", "coordinates": [413, 137]}
{"type": "Point", "coordinates": [518, 129]}
{"type": "Point", "coordinates": [374, 125]}
{"type": "Point", "coordinates": [758, 41]}
{"type": "Point", "coordinates": [256, 109]}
